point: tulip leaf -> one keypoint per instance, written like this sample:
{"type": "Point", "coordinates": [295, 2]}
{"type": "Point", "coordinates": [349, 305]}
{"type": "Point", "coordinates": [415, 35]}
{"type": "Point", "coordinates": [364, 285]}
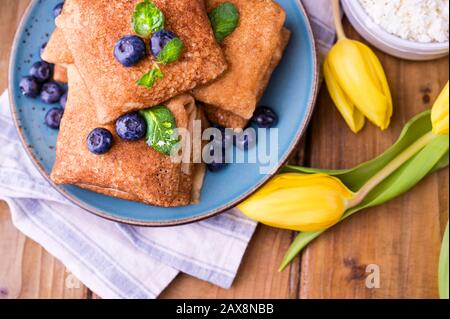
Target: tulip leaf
{"type": "Point", "coordinates": [444, 267]}
{"type": "Point", "coordinates": [356, 177]}
{"type": "Point", "coordinates": [434, 156]}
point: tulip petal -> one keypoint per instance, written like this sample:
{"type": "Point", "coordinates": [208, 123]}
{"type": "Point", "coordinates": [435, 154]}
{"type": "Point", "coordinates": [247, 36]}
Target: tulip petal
{"type": "Point", "coordinates": [356, 78]}
{"type": "Point", "coordinates": [299, 202]}
{"type": "Point", "coordinates": [380, 76]}
{"type": "Point", "coordinates": [439, 113]}
{"type": "Point", "coordinates": [352, 116]}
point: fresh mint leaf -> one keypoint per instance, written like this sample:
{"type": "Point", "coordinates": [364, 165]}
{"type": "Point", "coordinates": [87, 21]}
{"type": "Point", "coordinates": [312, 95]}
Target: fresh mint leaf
{"type": "Point", "coordinates": [161, 129]}
{"type": "Point", "coordinates": [147, 19]}
{"type": "Point", "coordinates": [171, 52]}
{"type": "Point", "coordinates": [149, 79]}
{"type": "Point", "coordinates": [224, 20]}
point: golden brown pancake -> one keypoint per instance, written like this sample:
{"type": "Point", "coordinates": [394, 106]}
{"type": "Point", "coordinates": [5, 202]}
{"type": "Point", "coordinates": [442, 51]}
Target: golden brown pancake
{"type": "Point", "coordinates": [56, 50]}
{"type": "Point", "coordinates": [130, 170]}
{"type": "Point", "coordinates": [91, 29]}
{"type": "Point", "coordinates": [60, 74]}
{"type": "Point", "coordinates": [250, 52]}
{"type": "Point", "coordinates": [223, 117]}
{"type": "Point", "coordinates": [228, 119]}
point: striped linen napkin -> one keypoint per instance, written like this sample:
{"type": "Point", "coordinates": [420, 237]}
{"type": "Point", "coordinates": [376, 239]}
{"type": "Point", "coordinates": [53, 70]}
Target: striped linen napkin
{"type": "Point", "coordinates": [121, 261]}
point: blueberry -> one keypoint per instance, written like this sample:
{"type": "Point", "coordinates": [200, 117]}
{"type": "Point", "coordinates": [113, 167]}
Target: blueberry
{"type": "Point", "coordinates": [53, 117]}
{"type": "Point", "coordinates": [265, 117]}
{"type": "Point", "coordinates": [246, 139]}
{"type": "Point", "coordinates": [51, 92]}
{"type": "Point", "coordinates": [131, 127]}
{"type": "Point", "coordinates": [129, 50]}
{"type": "Point", "coordinates": [99, 141]}
{"type": "Point", "coordinates": [159, 40]}
{"type": "Point", "coordinates": [218, 161]}
{"type": "Point", "coordinates": [63, 100]}
{"type": "Point", "coordinates": [41, 71]}
{"type": "Point", "coordinates": [58, 9]}
{"type": "Point", "coordinates": [29, 86]}
{"type": "Point", "coordinates": [42, 49]}
{"type": "Point", "coordinates": [225, 138]}
{"type": "Point", "coordinates": [215, 167]}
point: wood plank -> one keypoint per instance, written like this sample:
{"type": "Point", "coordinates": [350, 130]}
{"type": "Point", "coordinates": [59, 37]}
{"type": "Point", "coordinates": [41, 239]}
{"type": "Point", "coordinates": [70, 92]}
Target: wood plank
{"type": "Point", "coordinates": [26, 269]}
{"type": "Point", "coordinates": [402, 237]}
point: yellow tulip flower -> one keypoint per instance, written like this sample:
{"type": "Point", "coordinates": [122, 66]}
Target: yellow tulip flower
{"type": "Point", "coordinates": [356, 81]}
{"type": "Point", "coordinates": [439, 113]}
{"type": "Point", "coordinates": [299, 202]}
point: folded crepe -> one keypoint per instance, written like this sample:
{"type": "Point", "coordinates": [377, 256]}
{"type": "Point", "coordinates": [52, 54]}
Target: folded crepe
{"type": "Point", "coordinates": [229, 119]}
{"type": "Point", "coordinates": [130, 170]}
{"type": "Point", "coordinates": [91, 29]}
{"type": "Point", "coordinates": [252, 51]}
{"type": "Point", "coordinates": [224, 118]}
{"type": "Point", "coordinates": [60, 74]}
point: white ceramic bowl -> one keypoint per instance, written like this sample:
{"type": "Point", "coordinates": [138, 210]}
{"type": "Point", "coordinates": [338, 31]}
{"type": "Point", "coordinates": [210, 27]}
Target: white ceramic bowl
{"type": "Point", "coordinates": [387, 42]}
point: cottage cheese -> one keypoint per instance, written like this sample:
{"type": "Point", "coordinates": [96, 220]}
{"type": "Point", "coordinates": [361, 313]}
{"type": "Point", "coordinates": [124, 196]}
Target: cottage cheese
{"type": "Point", "coordinates": [417, 20]}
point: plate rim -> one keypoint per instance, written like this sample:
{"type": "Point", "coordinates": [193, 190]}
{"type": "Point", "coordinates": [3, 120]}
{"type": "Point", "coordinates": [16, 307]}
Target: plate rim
{"type": "Point", "coordinates": [310, 109]}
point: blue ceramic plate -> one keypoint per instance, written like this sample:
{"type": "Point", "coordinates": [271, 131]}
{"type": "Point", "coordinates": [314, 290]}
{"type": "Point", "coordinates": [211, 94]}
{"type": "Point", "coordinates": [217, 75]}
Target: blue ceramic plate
{"type": "Point", "coordinates": [291, 93]}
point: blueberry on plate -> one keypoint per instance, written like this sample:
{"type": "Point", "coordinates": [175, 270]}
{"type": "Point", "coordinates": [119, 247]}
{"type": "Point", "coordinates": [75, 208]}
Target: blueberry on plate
{"type": "Point", "coordinates": [29, 86]}
{"type": "Point", "coordinates": [63, 100]}
{"type": "Point", "coordinates": [159, 40]}
{"type": "Point", "coordinates": [131, 127]}
{"type": "Point", "coordinates": [246, 139]}
{"type": "Point", "coordinates": [41, 71]}
{"type": "Point", "coordinates": [129, 50]}
{"type": "Point", "coordinates": [265, 117]}
{"type": "Point", "coordinates": [217, 161]}
{"type": "Point", "coordinates": [99, 141]}
{"type": "Point", "coordinates": [58, 9]}
{"type": "Point", "coordinates": [53, 117]}
{"type": "Point", "coordinates": [42, 49]}
{"type": "Point", "coordinates": [224, 137]}
{"type": "Point", "coordinates": [51, 92]}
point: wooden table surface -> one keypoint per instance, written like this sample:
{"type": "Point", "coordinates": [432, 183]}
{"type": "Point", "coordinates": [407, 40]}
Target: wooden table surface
{"type": "Point", "coordinates": [402, 237]}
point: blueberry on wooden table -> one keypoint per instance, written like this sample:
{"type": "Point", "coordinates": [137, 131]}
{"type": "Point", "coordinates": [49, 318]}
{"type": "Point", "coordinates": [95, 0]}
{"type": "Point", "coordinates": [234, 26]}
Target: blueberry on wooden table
{"type": "Point", "coordinates": [265, 117]}
{"type": "Point", "coordinates": [99, 141]}
{"type": "Point", "coordinates": [129, 50]}
{"type": "Point", "coordinates": [41, 71]}
{"type": "Point", "coordinates": [53, 117]}
{"type": "Point", "coordinates": [29, 86]}
{"type": "Point", "coordinates": [51, 92]}
{"type": "Point", "coordinates": [131, 127]}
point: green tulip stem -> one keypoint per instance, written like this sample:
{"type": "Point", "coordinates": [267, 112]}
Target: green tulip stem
{"type": "Point", "coordinates": [338, 20]}
{"type": "Point", "coordinates": [398, 161]}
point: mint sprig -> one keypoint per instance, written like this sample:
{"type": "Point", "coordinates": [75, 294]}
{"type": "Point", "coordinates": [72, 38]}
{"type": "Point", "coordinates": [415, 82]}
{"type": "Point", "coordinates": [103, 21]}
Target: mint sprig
{"type": "Point", "coordinates": [149, 79]}
{"type": "Point", "coordinates": [224, 20]}
{"type": "Point", "coordinates": [161, 129]}
{"type": "Point", "coordinates": [147, 19]}
{"type": "Point", "coordinates": [171, 52]}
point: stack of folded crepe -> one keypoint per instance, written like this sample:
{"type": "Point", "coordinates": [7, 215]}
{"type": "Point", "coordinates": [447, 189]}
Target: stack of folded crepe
{"type": "Point", "coordinates": [228, 78]}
